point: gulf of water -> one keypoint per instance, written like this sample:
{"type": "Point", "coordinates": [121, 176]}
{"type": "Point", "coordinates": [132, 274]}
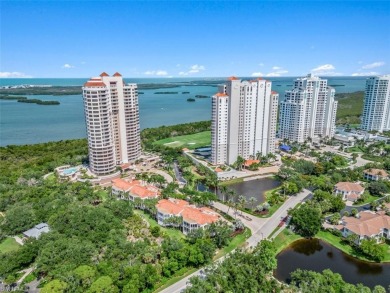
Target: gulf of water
{"type": "Point", "coordinates": [22, 123]}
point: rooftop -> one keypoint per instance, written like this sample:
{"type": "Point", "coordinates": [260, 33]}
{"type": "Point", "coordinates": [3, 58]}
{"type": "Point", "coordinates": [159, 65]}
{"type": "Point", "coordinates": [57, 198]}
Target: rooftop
{"type": "Point", "coordinates": [376, 172]}
{"type": "Point", "coordinates": [190, 213]}
{"type": "Point", "coordinates": [368, 223]}
{"type": "Point", "coordinates": [349, 186]}
{"type": "Point", "coordinates": [250, 162]}
{"type": "Point", "coordinates": [36, 231]}
{"type": "Point", "coordinates": [135, 188]}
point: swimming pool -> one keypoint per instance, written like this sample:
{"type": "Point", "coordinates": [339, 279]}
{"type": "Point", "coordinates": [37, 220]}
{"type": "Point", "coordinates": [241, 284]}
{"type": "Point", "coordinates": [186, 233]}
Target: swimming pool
{"type": "Point", "coordinates": [70, 171]}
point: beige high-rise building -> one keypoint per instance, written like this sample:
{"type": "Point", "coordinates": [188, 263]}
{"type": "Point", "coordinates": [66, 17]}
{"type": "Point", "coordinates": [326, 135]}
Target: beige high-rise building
{"type": "Point", "coordinates": [244, 116]}
{"type": "Point", "coordinates": [308, 110]}
{"type": "Point", "coordinates": [112, 120]}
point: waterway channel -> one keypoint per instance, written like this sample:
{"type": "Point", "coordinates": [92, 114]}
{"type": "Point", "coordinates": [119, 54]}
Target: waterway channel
{"type": "Point", "coordinates": [317, 255]}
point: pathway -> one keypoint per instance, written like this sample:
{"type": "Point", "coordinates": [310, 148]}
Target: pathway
{"type": "Point", "coordinates": [18, 240]}
{"type": "Point", "coordinates": [167, 177]}
{"type": "Point", "coordinates": [26, 273]}
{"type": "Point", "coordinates": [261, 228]}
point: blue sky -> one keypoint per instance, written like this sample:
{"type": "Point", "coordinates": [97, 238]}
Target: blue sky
{"type": "Point", "coordinates": [194, 38]}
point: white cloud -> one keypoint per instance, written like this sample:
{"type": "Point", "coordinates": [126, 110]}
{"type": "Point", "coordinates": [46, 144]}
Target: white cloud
{"type": "Point", "coordinates": [261, 64]}
{"type": "Point", "coordinates": [322, 68]}
{"type": "Point", "coordinates": [15, 74]}
{"type": "Point", "coordinates": [67, 66]}
{"type": "Point", "coordinates": [373, 65]}
{"type": "Point", "coordinates": [365, 73]}
{"type": "Point", "coordinates": [257, 74]}
{"type": "Point", "coordinates": [193, 69]}
{"type": "Point", "coordinates": [326, 70]}
{"type": "Point", "coordinates": [277, 71]}
{"type": "Point", "coordinates": [156, 72]}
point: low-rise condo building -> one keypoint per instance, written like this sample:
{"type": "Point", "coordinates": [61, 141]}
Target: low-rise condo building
{"type": "Point", "coordinates": [243, 123]}
{"type": "Point", "coordinates": [375, 174]}
{"type": "Point", "coordinates": [376, 109]}
{"type": "Point", "coordinates": [134, 189]}
{"type": "Point", "coordinates": [367, 225]}
{"type": "Point", "coordinates": [350, 191]}
{"type": "Point", "coordinates": [308, 110]}
{"type": "Point", "coordinates": [112, 120]}
{"type": "Point", "coordinates": [179, 213]}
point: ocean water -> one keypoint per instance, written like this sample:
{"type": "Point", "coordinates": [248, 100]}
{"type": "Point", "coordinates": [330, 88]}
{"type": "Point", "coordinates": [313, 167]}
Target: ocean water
{"type": "Point", "coordinates": [22, 123]}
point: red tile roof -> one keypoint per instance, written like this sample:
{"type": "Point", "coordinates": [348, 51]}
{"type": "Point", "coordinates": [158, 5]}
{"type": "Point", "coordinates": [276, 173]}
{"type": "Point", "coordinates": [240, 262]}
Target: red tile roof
{"type": "Point", "coordinates": [94, 83]}
{"type": "Point", "coordinates": [376, 172]}
{"type": "Point", "coordinates": [232, 78]}
{"type": "Point", "coordinates": [221, 95]}
{"type": "Point", "coordinates": [103, 74]}
{"type": "Point", "coordinates": [117, 74]}
{"type": "Point", "coordinates": [274, 93]}
{"type": "Point", "coordinates": [349, 187]}
{"type": "Point", "coordinates": [190, 213]}
{"type": "Point", "coordinates": [250, 162]}
{"type": "Point", "coordinates": [135, 188]}
{"type": "Point", "coordinates": [218, 170]}
{"type": "Point", "coordinates": [368, 224]}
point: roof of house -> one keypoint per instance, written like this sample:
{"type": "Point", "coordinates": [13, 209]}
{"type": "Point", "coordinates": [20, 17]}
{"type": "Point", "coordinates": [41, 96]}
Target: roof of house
{"type": "Point", "coordinates": [349, 187]}
{"type": "Point", "coordinates": [117, 74]}
{"type": "Point", "coordinates": [94, 82]}
{"type": "Point", "coordinates": [218, 169]}
{"type": "Point", "coordinates": [103, 74]}
{"type": "Point", "coordinates": [285, 147]}
{"type": "Point", "coordinates": [190, 213]}
{"type": "Point", "coordinates": [135, 188]}
{"type": "Point", "coordinates": [376, 172]}
{"type": "Point", "coordinates": [247, 163]}
{"type": "Point", "coordinates": [232, 78]}
{"type": "Point", "coordinates": [37, 230]}
{"type": "Point", "coordinates": [274, 93]}
{"type": "Point", "coordinates": [368, 223]}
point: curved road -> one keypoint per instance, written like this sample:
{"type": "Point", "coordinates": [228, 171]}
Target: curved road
{"type": "Point", "coordinates": [261, 228]}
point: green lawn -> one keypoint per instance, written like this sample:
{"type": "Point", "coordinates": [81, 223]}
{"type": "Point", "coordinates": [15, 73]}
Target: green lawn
{"type": "Point", "coordinates": [191, 141]}
{"type": "Point", "coordinates": [338, 243]}
{"type": "Point", "coordinates": [171, 232]}
{"type": "Point", "coordinates": [8, 244]}
{"type": "Point", "coordinates": [369, 199]}
{"type": "Point", "coordinates": [285, 238]}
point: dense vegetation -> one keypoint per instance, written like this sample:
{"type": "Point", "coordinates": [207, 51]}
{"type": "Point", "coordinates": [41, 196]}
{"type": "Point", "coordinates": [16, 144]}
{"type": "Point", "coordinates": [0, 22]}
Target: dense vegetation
{"type": "Point", "coordinates": [350, 107]}
{"type": "Point", "coordinates": [96, 243]}
{"type": "Point", "coordinates": [38, 102]}
{"type": "Point", "coordinates": [6, 97]}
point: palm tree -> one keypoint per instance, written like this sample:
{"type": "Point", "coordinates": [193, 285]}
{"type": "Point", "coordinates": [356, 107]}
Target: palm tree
{"type": "Point", "coordinates": [224, 190]}
{"type": "Point", "coordinates": [258, 156]}
{"type": "Point", "coordinates": [252, 201]}
{"type": "Point", "coordinates": [242, 202]}
{"type": "Point", "coordinates": [240, 161]}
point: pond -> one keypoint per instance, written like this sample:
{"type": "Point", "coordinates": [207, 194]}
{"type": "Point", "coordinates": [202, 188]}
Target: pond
{"type": "Point", "coordinates": [317, 255]}
{"type": "Point", "coordinates": [253, 188]}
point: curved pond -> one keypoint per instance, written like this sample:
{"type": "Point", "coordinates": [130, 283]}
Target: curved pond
{"type": "Point", "coordinates": [317, 255]}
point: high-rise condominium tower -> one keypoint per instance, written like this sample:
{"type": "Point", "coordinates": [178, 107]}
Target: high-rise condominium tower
{"type": "Point", "coordinates": [308, 110]}
{"type": "Point", "coordinates": [244, 115]}
{"type": "Point", "coordinates": [376, 110]}
{"type": "Point", "coordinates": [112, 119]}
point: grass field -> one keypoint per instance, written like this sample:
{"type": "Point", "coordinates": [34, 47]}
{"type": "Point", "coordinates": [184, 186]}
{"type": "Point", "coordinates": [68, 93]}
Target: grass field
{"type": "Point", "coordinates": [8, 244]}
{"type": "Point", "coordinates": [284, 239]}
{"type": "Point", "coordinates": [191, 141]}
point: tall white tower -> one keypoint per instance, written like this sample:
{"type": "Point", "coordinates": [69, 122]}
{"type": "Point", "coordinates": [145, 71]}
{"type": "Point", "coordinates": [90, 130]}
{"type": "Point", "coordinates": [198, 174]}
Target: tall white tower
{"type": "Point", "coordinates": [376, 110]}
{"type": "Point", "coordinates": [244, 116]}
{"type": "Point", "coordinates": [112, 120]}
{"type": "Point", "coordinates": [308, 110]}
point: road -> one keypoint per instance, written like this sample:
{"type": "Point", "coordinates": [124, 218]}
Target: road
{"type": "Point", "coordinates": [261, 228]}
{"type": "Point", "coordinates": [178, 175]}
{"type": "Point", "coordinates": [359, 161]}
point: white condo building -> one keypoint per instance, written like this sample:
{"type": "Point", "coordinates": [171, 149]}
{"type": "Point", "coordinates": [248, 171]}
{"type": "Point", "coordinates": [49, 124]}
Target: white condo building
{"type": "Point", "coordinates": [112, 119]}
{"type": "Point", "coordinates": [308, 110]}
{"type": "Point", "coordinates": [244, 117]}
{"type": "Point", "coordinates": [376, 110]}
